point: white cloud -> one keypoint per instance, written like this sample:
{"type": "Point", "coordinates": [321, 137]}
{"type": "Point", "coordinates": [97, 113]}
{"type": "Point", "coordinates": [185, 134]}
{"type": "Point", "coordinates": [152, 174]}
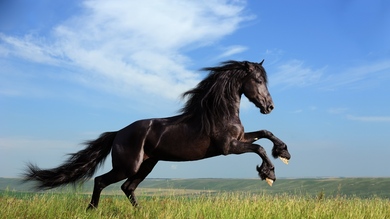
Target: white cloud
{"type": "Point", "coordinates": [7, 143]}
{"type": "Point", "coordinates": [337, 110]}
{"type": "Point", "coordinates": [364, 75]}
{"type": "Point", "coordinates": [294, 73]}
{"type": "Point", "coordinates": [273, 56]}
{"type": "Point", "coordinates": [132, 45]}
{"type": "Point", "coordinates": [232, 50]}
{"type": "Point", "coordinates": [313, 108]}
{"type": "Point", "coordinates": [27, 47]}
{"type": "Point", "coordinates": [297, 111]}
{"type": "Point", "coordinates": [369, 118]}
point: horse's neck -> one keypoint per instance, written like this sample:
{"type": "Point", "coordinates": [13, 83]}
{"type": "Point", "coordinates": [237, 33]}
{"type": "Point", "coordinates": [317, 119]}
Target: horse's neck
{"type": "Point", "coordinates": [235, 110]}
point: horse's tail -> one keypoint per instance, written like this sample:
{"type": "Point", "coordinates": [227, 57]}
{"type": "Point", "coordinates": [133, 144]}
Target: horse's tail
{"type": "Point", "coordinates": [79, 167]}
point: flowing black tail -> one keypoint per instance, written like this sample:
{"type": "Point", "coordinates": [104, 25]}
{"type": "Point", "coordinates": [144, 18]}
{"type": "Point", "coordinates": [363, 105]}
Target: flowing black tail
{"type": "Point", "coordinates": [79, 167]}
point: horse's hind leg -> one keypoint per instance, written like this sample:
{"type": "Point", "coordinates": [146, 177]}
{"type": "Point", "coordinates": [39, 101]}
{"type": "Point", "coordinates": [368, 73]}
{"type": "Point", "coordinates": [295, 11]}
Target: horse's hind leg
{"type": "Point", "coordinates": [103, 181]}
{"type": "Point", "coordinates": [132, 182]}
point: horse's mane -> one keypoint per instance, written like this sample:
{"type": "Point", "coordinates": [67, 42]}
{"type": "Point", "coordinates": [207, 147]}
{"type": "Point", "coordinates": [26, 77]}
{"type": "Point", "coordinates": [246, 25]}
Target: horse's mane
{"type": "Point", "coordinates": [212, 98]}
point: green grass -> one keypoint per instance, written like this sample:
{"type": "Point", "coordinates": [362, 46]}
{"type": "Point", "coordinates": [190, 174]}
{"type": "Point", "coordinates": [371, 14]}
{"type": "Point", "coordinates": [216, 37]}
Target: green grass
{"type": "Point", "coordinates": [221, 205]}
{"type": "Point", "coordinates": [207, 198]}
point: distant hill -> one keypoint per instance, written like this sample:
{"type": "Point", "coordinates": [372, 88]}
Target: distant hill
{"type": "Point", "coordinates": [359, 187]}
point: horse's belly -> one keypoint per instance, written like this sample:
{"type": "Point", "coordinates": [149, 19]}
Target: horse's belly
{"type": "Point", "coordinates": [177, 142]}
{"type": "Point", "coordinates": [183, 150]}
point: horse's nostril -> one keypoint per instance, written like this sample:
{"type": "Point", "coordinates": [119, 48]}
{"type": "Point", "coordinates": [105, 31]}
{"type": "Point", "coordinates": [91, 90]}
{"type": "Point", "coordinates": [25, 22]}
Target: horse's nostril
{"type": "Point", "coordinates": [270, 107]}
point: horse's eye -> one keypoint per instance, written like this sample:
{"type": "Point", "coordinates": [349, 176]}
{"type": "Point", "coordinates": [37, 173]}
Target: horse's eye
{"type": "Point", "coordinates": [259, 81]}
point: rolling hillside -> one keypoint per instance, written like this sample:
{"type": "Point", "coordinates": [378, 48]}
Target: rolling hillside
{"type": "Point", "coordinates": [350, 187]}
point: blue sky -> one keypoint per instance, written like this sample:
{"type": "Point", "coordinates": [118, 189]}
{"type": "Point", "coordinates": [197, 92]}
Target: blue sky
{"type": "Point", "coordinates": [70, 70]}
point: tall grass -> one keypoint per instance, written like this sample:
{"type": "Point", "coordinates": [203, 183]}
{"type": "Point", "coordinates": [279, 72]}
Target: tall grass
{"type": "Point", "coordinates": [223, 205]}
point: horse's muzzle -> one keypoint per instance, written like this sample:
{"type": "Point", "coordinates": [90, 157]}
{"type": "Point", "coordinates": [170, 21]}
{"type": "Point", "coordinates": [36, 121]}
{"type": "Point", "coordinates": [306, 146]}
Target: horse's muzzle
{"type": "Point", "coordinates": [267, 109]}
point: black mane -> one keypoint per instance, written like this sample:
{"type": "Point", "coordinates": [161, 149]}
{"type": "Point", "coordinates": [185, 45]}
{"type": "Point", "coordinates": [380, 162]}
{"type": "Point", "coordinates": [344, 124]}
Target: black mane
{"type": "Point", "coordinates": [212, 99]}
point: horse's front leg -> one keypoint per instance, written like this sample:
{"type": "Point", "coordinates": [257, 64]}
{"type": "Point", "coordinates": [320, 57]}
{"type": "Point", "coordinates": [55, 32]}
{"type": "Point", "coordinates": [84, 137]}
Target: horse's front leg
{"type": "Point", "coordinates": [279, 149]}
{"type": "Point", "coordinates": [266, 170]}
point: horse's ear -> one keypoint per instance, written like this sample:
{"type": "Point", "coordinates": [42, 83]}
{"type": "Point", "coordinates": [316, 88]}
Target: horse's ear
{"type": "Point", "coordinates": [261, 63]}
{"type": "Point", "coordinates": [248, 66]}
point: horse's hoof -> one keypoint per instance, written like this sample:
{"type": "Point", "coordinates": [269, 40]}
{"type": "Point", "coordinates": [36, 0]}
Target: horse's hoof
{"type": "Point", "coordinates": [284, 160]}
{"type": "Point", "coordinates": [90, 207]}
{"type": "Point", "coordinates": [269, 181]}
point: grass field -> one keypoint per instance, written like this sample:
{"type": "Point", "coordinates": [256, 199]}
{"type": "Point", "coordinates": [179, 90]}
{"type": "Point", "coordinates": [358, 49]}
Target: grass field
{"type": "Point", "coordinates": [221, 205]}
{"type": "Point", "coordinates": [210, 198]}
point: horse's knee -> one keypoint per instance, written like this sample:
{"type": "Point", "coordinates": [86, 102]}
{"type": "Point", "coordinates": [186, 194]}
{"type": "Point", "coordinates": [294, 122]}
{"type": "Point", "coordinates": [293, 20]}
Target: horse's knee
{"type": "Point", "coordinates": [99, 183]}
{"type": "Point", "coordinates": [127, 187]}
{"type": "Point", "coordinates": [262, 150]}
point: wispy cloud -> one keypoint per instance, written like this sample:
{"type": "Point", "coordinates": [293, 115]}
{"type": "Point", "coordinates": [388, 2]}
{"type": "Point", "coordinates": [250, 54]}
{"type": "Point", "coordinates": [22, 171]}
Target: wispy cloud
{"type": "Point", "coordinates": [310, 108]}
{"type": "Point", "coordinates": [273, 56]}
{"type": "Point", "coordinates": [232, 50]}
{"type": "Point", "coordinates": [132, 45]}
{"type": "Point", "coordinates": [337, 110]}
{"type": "Point", "coordinates": [20, 142]}
{"type": "Point", "coordinates": [360, 76]}
{"type": "Point", "coordinates": [295, 73]}
{"type": "Point", "coordinates": [28, 47]}
{"type": "Point", "coordinates": [369, 118]}
{"type": "Point", "coordinates": [297, 111]}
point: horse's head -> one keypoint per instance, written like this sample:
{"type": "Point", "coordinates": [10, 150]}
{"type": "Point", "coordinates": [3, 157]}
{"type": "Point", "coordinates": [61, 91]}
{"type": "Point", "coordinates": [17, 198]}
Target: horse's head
{"type": "Point", "coordinates": [254, 87]}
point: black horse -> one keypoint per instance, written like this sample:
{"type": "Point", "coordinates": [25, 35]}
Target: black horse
{"type": "Point", "coordinates": [209, 125]}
